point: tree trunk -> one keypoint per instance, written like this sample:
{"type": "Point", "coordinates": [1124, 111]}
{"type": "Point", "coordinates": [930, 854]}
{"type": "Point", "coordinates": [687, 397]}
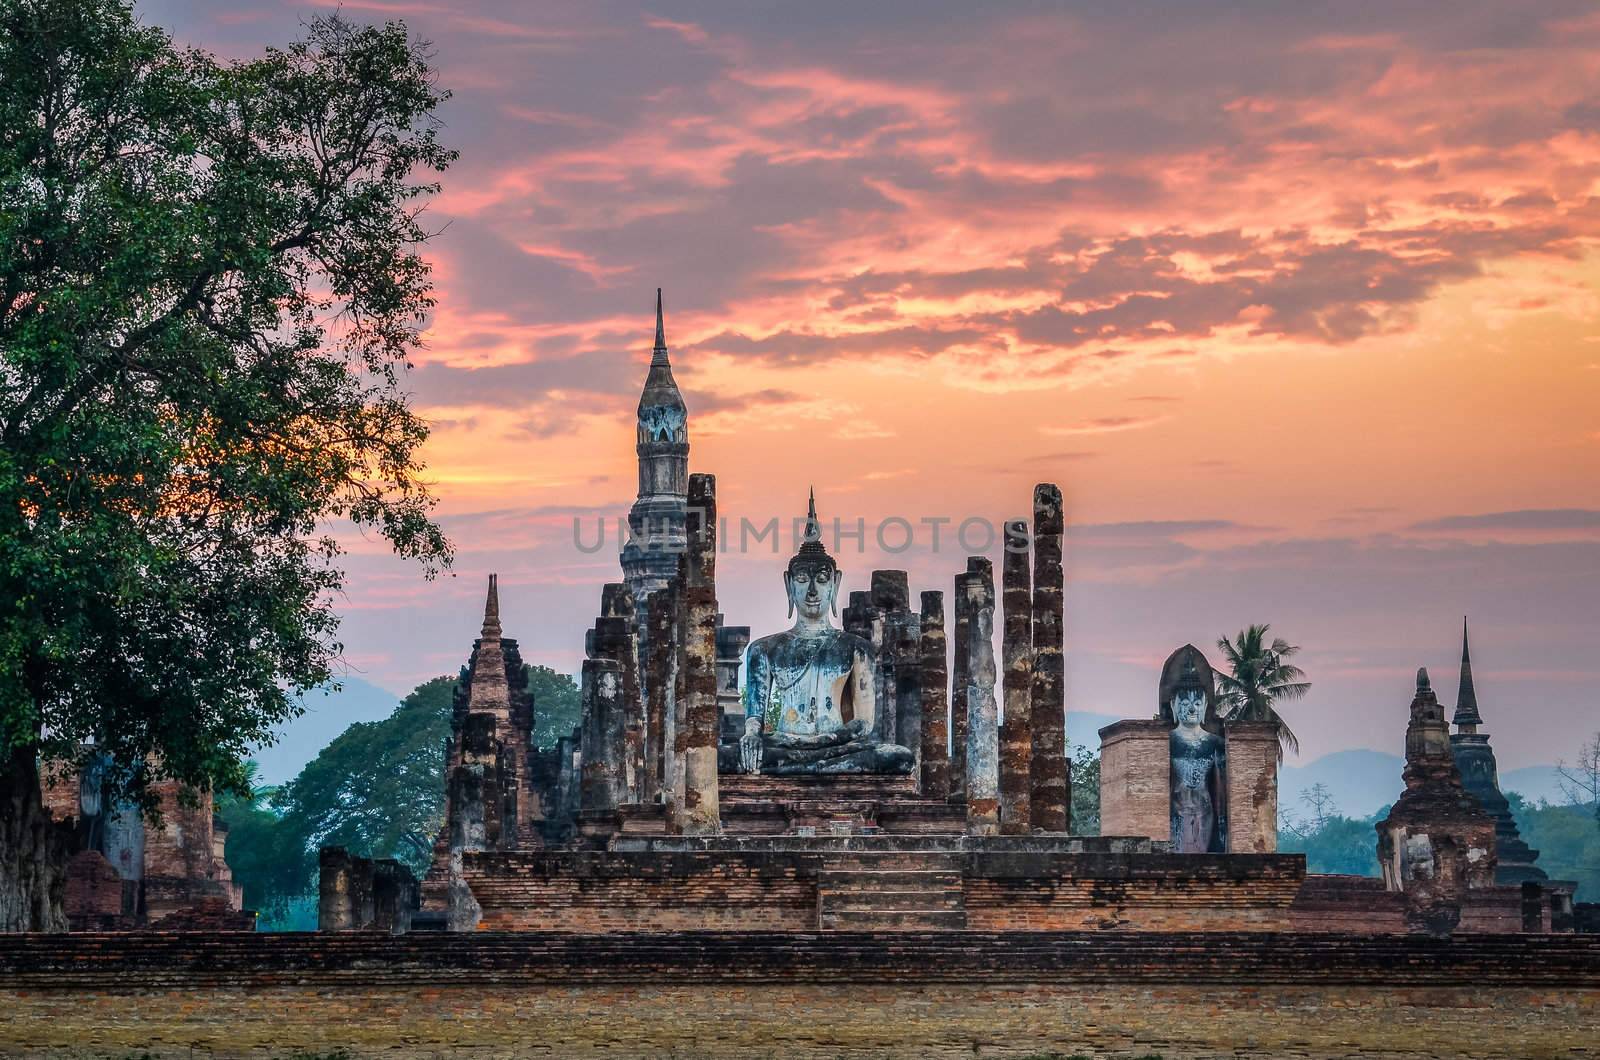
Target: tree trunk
{"type": "Point", "coordinates": [33, 850]}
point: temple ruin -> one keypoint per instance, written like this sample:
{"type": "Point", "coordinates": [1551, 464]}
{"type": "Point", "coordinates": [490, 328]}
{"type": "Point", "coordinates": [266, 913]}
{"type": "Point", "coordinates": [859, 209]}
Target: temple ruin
{"type": "Point", "coordinates": [875, 775]}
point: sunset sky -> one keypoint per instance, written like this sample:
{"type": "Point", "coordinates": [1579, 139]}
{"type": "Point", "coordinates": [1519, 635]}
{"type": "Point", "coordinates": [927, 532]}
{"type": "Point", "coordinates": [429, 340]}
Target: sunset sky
{"type": "Point", "coordinates": [1296, 302]}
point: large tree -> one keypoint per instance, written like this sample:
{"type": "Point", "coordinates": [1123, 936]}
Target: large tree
{"type": "Point", "coordinates": [378, 788]}
{"type": "Point", "coordinates": [557, 704]}
{"type": "Point", "coordinates": [210, 283]}
{"type": "Point", "coordinates": [1258, 678]}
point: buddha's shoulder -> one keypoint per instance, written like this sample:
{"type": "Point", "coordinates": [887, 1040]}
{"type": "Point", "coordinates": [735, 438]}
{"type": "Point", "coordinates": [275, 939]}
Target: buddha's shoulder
{"type": "Point", "coordinates": [786, 641]}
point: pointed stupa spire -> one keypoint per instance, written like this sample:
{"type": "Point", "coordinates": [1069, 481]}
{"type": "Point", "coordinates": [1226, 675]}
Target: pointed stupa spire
{"type": "Point", "coordinates": [659, 356]}
{"type": "Point", "coordinates": [491, 610]}
{"type": "Point", "coordinates": [1467, 717]}
{"type": "Point", "coordinates": [661, 391]}
{"type": "Point", "coordinates": [489, 690]}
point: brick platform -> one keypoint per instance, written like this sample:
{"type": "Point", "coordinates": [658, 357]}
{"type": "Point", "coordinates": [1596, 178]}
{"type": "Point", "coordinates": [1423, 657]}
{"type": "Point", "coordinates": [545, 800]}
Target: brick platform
{"type": "Point", "coordinates": [803, 883]}
{"type": "Point", "coordinates": [813, 997]}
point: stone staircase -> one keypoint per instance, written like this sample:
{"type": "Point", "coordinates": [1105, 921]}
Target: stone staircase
{"type": "Point", "coordinates": [890, 890]}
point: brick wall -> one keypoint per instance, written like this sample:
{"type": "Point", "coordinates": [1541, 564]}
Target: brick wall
{"type": "Point", "coordinates": [1252, 777]}
{"type": "Point", "coordinates": [1135, 782]}
{"type": "Point", "coordinates": [643, 892]}
{"type": "Point", "coordinates": [776, 890]}
{"type": "Point", "coordinates": [809, 997]}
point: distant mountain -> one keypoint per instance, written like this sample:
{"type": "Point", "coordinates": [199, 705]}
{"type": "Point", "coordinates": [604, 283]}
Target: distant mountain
{"type": "Point", "coordinates": [1535, 783]}
{"type": "Point", "coordinates": [1362, 782]}
{"type": "Point", "coordinates": [328, 713]}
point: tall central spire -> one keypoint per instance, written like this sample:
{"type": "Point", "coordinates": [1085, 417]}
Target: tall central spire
{"type": "Point", "coordinates": [656, 522]}
{"type": "Point", "coordinates": [1467, 717]}
{"type": "Point", "coordinates": [659, 355]}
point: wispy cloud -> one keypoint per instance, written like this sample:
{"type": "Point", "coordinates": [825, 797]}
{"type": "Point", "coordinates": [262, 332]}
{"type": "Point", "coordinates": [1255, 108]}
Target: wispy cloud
{"type": "Point", "coordinates": [1542, 519]}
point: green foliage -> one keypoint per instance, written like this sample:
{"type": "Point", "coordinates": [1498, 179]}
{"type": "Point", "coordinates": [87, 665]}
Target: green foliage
{"type": "Point", "coordinates": [1085, 791]}
{"type": "Point", "coordinates": [209, 288]}
{"type": "Point", "coordinates": [1258, 678]}
{"type": "Point", "coordinates": [1343, 845]}
{"type": "Point", "coordinates": [557, 705]}
{"type": "Point", "coordinates": [1331, 842]}
{"type": "Point", "coordinates": [377, 790]}
{"type": "Point", "coordinates": [255, 852]}
{"type": "Point", "coordinates": [1567, 840]}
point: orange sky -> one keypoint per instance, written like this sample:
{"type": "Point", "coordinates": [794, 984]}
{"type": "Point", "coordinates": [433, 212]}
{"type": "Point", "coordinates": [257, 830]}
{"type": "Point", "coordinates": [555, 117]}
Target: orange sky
{"type": "Point", "coordinates": [1297, 305]}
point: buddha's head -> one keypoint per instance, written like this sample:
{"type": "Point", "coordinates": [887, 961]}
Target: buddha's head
{"type": "Point", "coordinates": [812, 578]}
{"type": "Point", "coordinates": [1189, 698]}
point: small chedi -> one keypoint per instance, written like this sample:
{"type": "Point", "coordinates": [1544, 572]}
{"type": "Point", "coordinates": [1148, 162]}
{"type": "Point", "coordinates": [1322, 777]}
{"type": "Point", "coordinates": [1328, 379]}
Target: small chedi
{"type": "Point", "coordinates": [810, 697]}
{"type": "Point", "coordinates": [882, 775]}
{"type": "Point", "coordinates": [1438, 841]}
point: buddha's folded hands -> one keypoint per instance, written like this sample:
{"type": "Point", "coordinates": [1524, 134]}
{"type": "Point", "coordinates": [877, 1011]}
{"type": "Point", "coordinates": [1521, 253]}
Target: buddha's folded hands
{"type": "Point", "coordinates": [850, 732]}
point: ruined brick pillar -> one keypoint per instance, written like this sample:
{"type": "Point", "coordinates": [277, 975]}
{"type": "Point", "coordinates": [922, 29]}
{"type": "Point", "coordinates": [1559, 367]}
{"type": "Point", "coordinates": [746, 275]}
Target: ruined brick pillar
{"type": "Point", "coordinates": [1050, 802]}
{"type": "Point", "coordinates": [659, 642]}
{"type": "Point", "coordinates": [676, 778]}
{"type": "Point", "coordinates": [854, 615]}
{"type": "Point", "coordinates": [360, 894]}
{"type": "Point", "coordinates": [899, 660]}
{"type": "Point", "coordinates": [1252, 783]}
{"type": "Point", "coordinates": [935, 699]}
{"type": "Point", "coordinates": [701, 815]}
{"type": "Point", "coordinates": [731, 644]}
{"type": "Point", "coordinates": [1135, 779]}
{"type": "Point", "coordinates": [867, 620]}
{"type": "Point", "coordinates": [983, 737]}
{"type": "Point", "coordinates": [604, 785]}
{"type": "Point", "coordinates": [1016, 731]}
{"type": "Point", "coordinates": [617, 636]}
{"type": "Point", "coordinates": [335, 885]}
{"type": "Point", "coordinates": [958, 685]}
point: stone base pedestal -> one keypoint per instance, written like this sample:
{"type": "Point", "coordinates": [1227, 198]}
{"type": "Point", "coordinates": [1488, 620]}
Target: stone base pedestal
{"type": "Point", "coordinates": [1135, 785]}
{"type": "Point", "coordinates": [832, 805]}
{"type": "Point", "coordinates": [1252, 787]}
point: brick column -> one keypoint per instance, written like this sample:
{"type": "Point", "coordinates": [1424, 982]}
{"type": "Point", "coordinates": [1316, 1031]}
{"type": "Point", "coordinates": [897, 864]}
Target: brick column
{"type": "Point", "coordinates": [658, 694]}
{"type": "Point", "coordinates": [958, 685]}
{"type": "Point", "coordinates": [677, 772]}
{"type": "Point", "coordinates": [1252, 786]}
{"type": "Point", "coordinates": [621, 636]}
{"type": "Point", "coordinates": [731, 644]}
{"type": "Point", "coordinates": [983, 738]}
{"type": "Point", "coordinates": [603, 784]}
{"type": "Point", "coordinates": [1016, 731]}
{"type": "Point", "coordinates": [899, 660]}
{"type": "Point", "coordinates": [335, 908]}
{"type": "Point", "coordinates": [1050, 804]}
{"type": "Point", "coordinates": [701, 815]}
{"type": "Point", "coordinates": [1135, 780]}
{"type": "Point", "coordinates": [935, 699]}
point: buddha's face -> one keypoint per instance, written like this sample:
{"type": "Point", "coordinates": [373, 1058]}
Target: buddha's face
{"type": "Point", "coordinates": [1189, 707]}
{"type": "Point", "coordinates": [811, 589]}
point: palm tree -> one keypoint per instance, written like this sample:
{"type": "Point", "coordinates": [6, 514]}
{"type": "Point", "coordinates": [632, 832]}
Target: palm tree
{"type": "Point", "coordinates": [1260, 678]}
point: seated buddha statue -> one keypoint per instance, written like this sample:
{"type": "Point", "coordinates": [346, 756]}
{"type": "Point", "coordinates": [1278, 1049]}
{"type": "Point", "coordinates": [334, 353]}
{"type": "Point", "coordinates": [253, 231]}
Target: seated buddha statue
{"type": "Point", "coordinates": [809, 695]}
{"type": "Point", "coordinates": [1199, 761]}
